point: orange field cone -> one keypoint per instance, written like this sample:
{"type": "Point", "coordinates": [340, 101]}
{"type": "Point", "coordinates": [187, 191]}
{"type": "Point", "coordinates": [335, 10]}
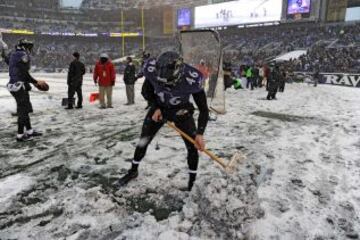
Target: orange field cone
{"type": "Point", "coordinates": [94, 97]}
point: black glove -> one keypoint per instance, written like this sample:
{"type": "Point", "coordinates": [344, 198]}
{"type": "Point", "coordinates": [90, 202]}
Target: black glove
{"type": "Point", "coordinates": [27, 86]}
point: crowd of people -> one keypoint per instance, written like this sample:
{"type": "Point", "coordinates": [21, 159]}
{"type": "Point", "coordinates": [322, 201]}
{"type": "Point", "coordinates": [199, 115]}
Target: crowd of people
{"type": "Point", "coordinates": [53, 53]}
{"type": "Point", "coordinates": [112, 4]}
{"type": "Point", "coordinates": [54, 26]}
{"type": "Point", "coordinates": [334, 47]}
{"type": "Point", "coordinates": [345, 59]}
{"type": "Point", "coordinates": [31, 4]}
{"type": "Point", "coordinates": [50, 52]}
{"type": "Point", "coordinates": [48, 20]}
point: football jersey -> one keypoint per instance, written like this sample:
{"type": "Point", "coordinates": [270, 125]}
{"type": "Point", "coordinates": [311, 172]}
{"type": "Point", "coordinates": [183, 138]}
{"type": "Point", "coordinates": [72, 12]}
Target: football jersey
{"type": "Point", "coordinates": [173, 96]}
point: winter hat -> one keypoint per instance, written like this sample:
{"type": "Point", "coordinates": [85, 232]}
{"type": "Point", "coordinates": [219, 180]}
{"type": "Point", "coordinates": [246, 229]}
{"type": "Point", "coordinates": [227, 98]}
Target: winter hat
{"type": "Point", "coordinates": [104, 55]}
{"type": "Point", "coordinates": [76, 55]}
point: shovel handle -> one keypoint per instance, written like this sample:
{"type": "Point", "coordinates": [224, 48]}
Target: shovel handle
{"type": "Point", "coordinates": [190, 139]}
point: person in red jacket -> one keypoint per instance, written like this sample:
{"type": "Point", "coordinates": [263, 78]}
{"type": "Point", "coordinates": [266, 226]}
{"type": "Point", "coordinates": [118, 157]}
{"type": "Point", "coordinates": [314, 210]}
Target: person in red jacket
{"type": "Point", "coordinates": [104, 75]}
{"type": "Point", "coordinates": [203, 69]}
{"type": "Point", "coordinates": [267, 72]}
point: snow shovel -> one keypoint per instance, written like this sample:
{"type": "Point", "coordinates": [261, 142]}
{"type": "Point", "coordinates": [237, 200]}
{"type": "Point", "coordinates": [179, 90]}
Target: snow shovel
{"type": "Point", "coordinates": [228, 167]}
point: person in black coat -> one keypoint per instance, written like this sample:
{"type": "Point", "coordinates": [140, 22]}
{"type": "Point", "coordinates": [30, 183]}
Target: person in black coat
{"type": "Point", "coordinates": [129, 79]}
{"type": "Point", "coordinates": [273, 83]}
{"type": "Point", "coordinates": [228, 80]}
{"type": "Point", "coordinates": [144, 88]}
{"type": "Point", "coordinates": [282, 80]}
{"type": "Point", "coordinates": [74, 81]}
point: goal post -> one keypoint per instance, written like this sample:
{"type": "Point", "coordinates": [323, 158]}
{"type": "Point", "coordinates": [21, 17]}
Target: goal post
{"type": "Point", "coordinates": [202, 49]}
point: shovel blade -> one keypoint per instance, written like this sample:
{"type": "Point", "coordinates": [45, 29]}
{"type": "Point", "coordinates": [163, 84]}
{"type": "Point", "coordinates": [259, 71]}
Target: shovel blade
{"type": "Point", "coordinates": [237, 157]}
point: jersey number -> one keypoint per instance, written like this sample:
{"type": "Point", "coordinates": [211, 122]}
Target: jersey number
{"type": "Point", "coordinates": [173, 101]}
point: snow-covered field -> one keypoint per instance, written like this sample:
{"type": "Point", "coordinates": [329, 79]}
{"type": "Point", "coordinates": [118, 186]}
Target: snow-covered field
{"type": "Point", "coordinates": [300, 179]}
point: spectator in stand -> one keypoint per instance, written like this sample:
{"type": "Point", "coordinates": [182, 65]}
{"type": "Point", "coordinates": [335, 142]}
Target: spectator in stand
{"type": "Point", "coordinates": [336, 47]}
{"type": "Point", "coordinates": [129, 79]}
{"type": "Point", "coordinates": [104, 75]}
{"type": "Point", "coordinates": [75, 80]}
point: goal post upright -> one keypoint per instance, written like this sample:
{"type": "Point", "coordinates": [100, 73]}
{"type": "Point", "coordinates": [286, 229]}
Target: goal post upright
{"type": "Point", "coordinates": [206, 45]}
{"type": "Point", "coordinates": [123, 31]}
{"type": "Point", "coordinates": [143, 27]}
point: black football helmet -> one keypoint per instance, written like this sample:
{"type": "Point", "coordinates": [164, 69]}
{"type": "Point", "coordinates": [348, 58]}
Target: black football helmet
{"type": "Point", "coordinates": [169, 66]}
{"type": "Point", "coordinates": [25, 44]}
{"type": "Point", "coordinates": [145, 55]}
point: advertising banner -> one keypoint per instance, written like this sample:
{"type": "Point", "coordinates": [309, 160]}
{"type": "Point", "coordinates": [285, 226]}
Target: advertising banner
{"type": "Point", "coordinates": [352, 14]}
{"type": "Point", "coordinates": [70, 3]}
{"type": "Point", "coordinates": [343, 79]}
{"type": "Point", "coordinates": [21, 31]}
{"type": "Point", "coordinates": [338, 79]}
{"type": "Point", "coordinates": [238, 12]}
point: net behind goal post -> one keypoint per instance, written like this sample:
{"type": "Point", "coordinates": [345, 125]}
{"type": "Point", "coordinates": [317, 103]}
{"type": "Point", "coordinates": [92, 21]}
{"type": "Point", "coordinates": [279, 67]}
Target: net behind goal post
{"type": "Point", "coordinates": [205, 46]}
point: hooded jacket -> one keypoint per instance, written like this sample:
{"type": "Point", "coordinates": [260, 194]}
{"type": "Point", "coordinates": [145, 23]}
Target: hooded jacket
{"type": "Point", "coordinates": [104, 74]}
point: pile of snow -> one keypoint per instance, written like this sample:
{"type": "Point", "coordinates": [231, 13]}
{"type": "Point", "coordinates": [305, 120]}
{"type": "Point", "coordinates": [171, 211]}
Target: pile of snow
{"type": "Point", "coordinates": [11, 186]}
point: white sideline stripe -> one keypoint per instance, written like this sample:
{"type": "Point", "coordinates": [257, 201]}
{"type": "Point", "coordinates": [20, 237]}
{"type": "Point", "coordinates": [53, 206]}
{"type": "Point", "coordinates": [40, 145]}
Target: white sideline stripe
{"type": "Point", "coordinates": [135, 162]}
{"type": "Point", "coordinates": [193, 171]}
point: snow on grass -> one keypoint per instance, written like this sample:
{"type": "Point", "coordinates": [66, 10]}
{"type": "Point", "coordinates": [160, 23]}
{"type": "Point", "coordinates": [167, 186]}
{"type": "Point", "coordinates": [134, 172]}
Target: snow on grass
{"type": "Point", "coordinates": [11, 186]}
{"type": "Point", "coordinates": [299, 181]}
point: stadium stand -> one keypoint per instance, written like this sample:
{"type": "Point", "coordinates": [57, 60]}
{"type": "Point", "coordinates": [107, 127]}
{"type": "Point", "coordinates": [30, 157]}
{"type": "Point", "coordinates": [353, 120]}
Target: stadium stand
{"type": "Point", "coordinates": [336, 47]}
